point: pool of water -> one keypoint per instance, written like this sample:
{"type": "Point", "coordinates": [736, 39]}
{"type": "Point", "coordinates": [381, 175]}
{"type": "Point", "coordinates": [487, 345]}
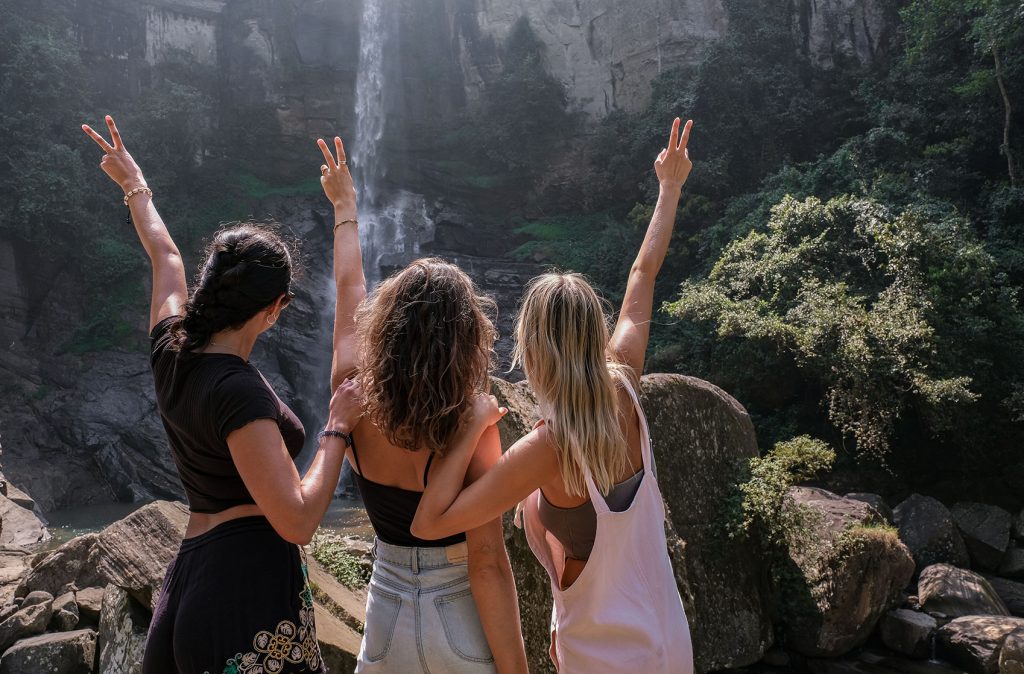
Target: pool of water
{"type": "Point", "coordinates": [66, 524]}
{"type": "Point", "coordinates": [344, 517]}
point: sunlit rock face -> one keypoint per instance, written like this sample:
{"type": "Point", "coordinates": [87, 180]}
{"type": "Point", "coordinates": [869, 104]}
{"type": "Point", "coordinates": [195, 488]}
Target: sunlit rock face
{"type": "Point", "coordinates": [607, 51]}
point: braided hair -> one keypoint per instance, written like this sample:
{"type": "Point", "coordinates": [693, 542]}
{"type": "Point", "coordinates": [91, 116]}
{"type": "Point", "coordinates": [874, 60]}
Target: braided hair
{"type": "Point", "coordinates": [247, 268]}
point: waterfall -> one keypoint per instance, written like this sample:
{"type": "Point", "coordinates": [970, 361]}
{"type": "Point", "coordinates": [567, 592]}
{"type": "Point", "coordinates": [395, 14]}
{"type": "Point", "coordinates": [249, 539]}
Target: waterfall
{"type": "Point", "coordinates": [370, 105]}
{"type": "Point", "coordinates": [393, 221]}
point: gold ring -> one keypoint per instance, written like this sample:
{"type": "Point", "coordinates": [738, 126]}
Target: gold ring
{"type": "Point", "coordinates": [323, 169]}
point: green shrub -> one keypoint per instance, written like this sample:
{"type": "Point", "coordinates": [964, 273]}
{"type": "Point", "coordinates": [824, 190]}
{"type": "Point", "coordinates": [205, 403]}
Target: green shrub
{"type": "Point", "coordinates": [346, 568]}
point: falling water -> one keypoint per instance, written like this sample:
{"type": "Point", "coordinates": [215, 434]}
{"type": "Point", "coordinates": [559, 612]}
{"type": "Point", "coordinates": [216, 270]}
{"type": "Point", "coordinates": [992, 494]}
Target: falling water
{"type": "Point", "coordinates": [392, 221]}
{"type": "Point", "coordinates": [370, 105]}
{"type": "Point", "coordinates": [375, 30]}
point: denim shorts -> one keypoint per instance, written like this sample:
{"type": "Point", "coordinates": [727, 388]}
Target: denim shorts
{"type": "Point", "coordinates": [420, 614]}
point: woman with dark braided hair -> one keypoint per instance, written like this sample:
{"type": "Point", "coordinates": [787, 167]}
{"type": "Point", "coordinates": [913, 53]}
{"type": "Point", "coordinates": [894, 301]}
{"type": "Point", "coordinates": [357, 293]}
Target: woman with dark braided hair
{"type": "Point", "coordinates": [236, 597]}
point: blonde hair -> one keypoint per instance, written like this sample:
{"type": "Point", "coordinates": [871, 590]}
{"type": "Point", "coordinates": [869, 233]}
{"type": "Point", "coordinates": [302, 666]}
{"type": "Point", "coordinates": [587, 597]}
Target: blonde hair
{"type": "Point", "coordinates": [561, 342]}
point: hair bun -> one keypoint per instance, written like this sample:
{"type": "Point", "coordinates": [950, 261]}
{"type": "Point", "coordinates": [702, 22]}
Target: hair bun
{"type": "Point", "coordinates": [247, 268]}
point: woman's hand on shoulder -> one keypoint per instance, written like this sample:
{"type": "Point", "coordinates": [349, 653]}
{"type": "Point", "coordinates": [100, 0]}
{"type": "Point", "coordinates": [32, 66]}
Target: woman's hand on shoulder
{"type": "Point", "coordinates": [484, 411]}
{"type": "Point", "coordinates": [117, 162]}
{"type": "Point", "coordinates": [347, 406]}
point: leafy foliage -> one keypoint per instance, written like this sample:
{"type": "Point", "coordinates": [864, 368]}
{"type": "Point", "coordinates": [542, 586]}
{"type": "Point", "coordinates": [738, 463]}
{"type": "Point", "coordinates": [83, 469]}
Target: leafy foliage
{"type": "Point", "coordinates": [884, 313]}
{"type": "Point", "coordinates": [761, 504]}
{"type": "Point", "coordinates": [339, 562]}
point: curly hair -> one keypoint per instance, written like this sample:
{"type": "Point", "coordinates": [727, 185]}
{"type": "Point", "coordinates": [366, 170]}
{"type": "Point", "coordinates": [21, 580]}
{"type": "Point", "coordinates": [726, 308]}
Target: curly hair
{"type": "Point", "coordinates": [247, 268]}
{"type": "Point", "coordinates": [426, 343]}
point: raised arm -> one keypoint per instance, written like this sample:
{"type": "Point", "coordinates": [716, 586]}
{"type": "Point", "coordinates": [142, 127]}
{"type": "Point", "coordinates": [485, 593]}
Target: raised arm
{"type": "Point", "coordinates": [633, 329]}
{"type": "Point", "coordinates": [447, 509]}
{"type": "Point", "coordinates": [169, 290]}
{"type": "Point", "coordinates": [348, 259]}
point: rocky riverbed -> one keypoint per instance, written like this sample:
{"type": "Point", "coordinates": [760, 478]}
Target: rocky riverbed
{"type": "Point", "coordinates": [920, 587]}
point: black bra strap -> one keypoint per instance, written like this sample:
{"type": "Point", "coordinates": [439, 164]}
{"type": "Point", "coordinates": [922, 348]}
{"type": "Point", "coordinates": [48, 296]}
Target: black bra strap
{"type": "Point", "coordinates": [356, 457]}
{"type": "Point", "coordinates": [426, 470]}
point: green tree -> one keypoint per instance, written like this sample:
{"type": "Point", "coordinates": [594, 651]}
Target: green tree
{"type": "Point", "coordinates": [892, 318]}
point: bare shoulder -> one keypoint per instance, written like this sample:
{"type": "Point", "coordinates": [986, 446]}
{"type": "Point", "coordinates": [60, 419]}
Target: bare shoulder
{"type": "Point", "coordinates": [535, 452]}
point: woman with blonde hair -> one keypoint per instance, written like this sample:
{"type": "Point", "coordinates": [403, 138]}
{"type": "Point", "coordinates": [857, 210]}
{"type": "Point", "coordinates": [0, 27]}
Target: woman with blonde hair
{"type": "Point", "coordinates": [421, 347]}
{"type": "Point", "coordinates": [585, 474]}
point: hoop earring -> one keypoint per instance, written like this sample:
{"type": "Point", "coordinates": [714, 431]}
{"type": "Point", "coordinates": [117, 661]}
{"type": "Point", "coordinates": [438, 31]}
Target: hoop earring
{"type": "Point", "coordinates": [271, 320]}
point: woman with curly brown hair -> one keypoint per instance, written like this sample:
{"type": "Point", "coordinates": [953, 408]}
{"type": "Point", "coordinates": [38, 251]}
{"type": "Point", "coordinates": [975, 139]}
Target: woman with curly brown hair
{"type": "Point", "coordinates": [422, 347]}
{"type": "Point", "coordinates": [236, 597]}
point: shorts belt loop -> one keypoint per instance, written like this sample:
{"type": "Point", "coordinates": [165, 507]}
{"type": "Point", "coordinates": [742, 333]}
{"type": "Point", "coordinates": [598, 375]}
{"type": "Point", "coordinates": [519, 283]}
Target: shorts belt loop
{"type": "Point", "coordinates": [415, 561]}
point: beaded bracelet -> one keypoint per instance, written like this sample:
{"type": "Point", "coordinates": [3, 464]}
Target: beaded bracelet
{"type": "Point", "coordinates": [345, 222]}
{"type": "Point", "coordinates": [135, 191]}
{"type": "Point", "coordinates": [347, 437]}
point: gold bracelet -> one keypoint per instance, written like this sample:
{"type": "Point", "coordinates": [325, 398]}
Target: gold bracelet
{"type": "Point", "coordinates": [345, 222]}
{"type": "Point", "coordinates": [137, 190]}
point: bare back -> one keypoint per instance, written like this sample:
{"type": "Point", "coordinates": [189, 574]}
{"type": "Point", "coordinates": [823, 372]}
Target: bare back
{"type": "Point", "coordinates": [384, 463]}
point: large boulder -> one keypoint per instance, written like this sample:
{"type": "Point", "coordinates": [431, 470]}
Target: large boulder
{"type": "Point", "coordinates": [908, 632]}
{"type": "Point", "coordinates": [132, 553]}
{"type": "Point", "coordinates": [985, 530]}
{"type": "Point", "coordinates": [927, 528]}
{"type": "Point", "coordinates": [60, 653]}
{"type": "Point", "coordinates": [876, 502]}
{"type": "Point", "coordinates": [1010, 592]}
{"type": "Point", "coordinates": [65, 613]}
{"type": "Point", "coordinates": [955, 592]}
{"type": "Point", "coordinates": [123, 626]}
{"type": "Point", "coordinates": [20, 497]}
{"type": "Point", "coordinates": [21, 527]}
{"type": "Point", "coordinates": [1012, 565]}
{"type": "Point", "coordinates": [855, 569]}
{"type": "Point", "coordinates": [26, 622]}
{"type": "Point", "coordinates": [1011, 657]}
{"type": "Point", "coordinates": [14, 563]}
{"type": "Point", "coordinates": [1018, 526]}
{"type": "Point", "coordinates": [975, 642]}
{"type": "Point", "coordinates": [90, 603]}
{"type": "Point", "coordinates": [698, 433]}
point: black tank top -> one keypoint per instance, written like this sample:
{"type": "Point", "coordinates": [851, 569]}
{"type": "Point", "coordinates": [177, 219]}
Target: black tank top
{"type": "Point", "coordinates": [392, 509]}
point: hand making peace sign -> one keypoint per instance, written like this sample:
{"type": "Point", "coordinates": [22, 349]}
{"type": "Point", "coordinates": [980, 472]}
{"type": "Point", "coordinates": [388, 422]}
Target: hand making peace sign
{"type": "Point", "coordinates": [336, 180]}
{"type": "Point", "coordinates": [116, 162]}
{"type": "Point", "coordinates": [673, 163]}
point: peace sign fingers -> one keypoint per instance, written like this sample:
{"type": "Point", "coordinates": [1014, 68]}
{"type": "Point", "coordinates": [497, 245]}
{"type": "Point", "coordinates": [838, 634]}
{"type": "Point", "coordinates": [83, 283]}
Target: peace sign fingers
{"type": "Point", "coordinates": [686, 135]}
{"type": "Point", "coordinates": [336, 180]}
{"type": "Point", "coordinates": [114, 133]}
{"type": "Point", "coordinates": [328, 157]}
{"type": "Point", "coordinates": [673, 163]}
{"type": "Point", "coordinates": [673, 137]}
{"type": "Point", "coordinates": [340, 151]}
{"type": "Point", "coordinates": [104, 145]}
{"type": "Point", "coordinates": [116, 162]}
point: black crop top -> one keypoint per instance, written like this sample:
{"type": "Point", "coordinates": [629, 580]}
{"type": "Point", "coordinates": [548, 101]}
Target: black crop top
{"type": "Point", "coordinates": [202, 398]}
{"type": "Point", "coordinates": [391, 511]}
